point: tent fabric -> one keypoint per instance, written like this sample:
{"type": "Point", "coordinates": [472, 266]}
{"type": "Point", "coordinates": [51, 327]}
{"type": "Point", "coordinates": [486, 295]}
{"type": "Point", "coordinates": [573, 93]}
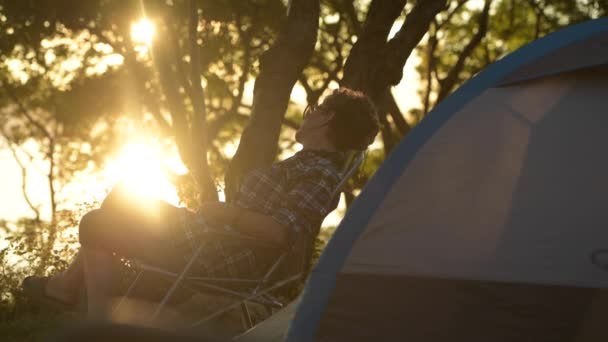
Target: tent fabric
{"type": "Point", "coordinates": [401, 308]}
{"type": "Point", "coordinates": [274, 329]}
{"type": "Point", "coordinates": [501, 183]}
{"type": "Point", "coordinates": [589, 52]}
{"type": "Point", "coordinates": [496, 193]}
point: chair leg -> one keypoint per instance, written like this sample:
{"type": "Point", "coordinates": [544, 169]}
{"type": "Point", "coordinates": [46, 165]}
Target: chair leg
{"type": "Point", "coordinates": [247, 322]}
{"type": "Point", "coordinates": [249, 297]}
{"type": "Point", "coordinates": [129, 290]}
{"type": "Point", "coordinates": [177, 282]}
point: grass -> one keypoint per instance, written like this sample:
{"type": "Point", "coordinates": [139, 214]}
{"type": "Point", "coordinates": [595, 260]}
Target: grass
{"type": "Point", "coordinates": [36, 326]}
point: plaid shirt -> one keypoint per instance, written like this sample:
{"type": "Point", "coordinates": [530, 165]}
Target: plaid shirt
{"type": "Point", "coordinates": [295, 192]}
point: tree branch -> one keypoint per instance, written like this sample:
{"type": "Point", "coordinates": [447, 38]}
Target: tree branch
{"type": "Point", "coordinates": [280, 68]}
{"type": "Point", "coordinates": [348, 8]}
{"type": "Point", "coordinates": [291, 124]}
{"type": "Point", "coordinates": [416, 24]}
{"type": "Point", "coordinates": [204, 181]}
{"type": "Point", "coordinates": [51, 180]}
{"type": "Point", "coordinates": [448, 83]}
{"type": "Point", "coordinates": [431, 72]}
{"type": "Point", "coordinates": [396, 115]}
{"type": "Point", "coordinates": [374, 64]}
{"type": "Point", "coordinates": [431, 64]}
{"type": "Point", "coordinates": [50, 153]}
{"type": "Point", "coordinates": [246, 38]}
{"type": "Point", "coordinates": [175, 101]}
{"type": "Point", "coordinates": [23, 175]}
{"type": "Point", "coordinates": [310, 93]}
{"type": "Point", "coordinates": [386, 132]}
{"type": "Point", "coordinates": [363, 68]}
{"type": "Point", "coordinates": [459, 4]}
{"type": "Point", "coordinates": [9, 91]}
{"type": "Point", "coordinates": [165, 128]}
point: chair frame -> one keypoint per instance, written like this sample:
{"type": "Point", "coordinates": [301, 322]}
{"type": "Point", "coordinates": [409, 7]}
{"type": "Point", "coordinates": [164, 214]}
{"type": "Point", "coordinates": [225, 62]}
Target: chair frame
{"type": "Point", "coordinates": [260, 288]}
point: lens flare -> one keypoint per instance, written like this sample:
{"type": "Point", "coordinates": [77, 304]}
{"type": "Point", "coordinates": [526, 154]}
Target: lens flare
{"type": "Point", "coordinates": [139, 168]}
{"type": "Point", "coordinates": [142, 32]}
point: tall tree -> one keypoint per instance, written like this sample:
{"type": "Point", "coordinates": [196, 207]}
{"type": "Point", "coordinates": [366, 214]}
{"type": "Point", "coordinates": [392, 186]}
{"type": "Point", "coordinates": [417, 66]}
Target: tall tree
{"type": "Point", "coordinates": [280, 68]}
{"type": "Point", "coordinates": [376, 63]}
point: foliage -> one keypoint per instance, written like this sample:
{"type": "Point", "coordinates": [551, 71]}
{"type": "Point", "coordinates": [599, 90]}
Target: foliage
{"type": "Point", "coordinates": [77, 87]}
{"type": "Point", "coordinates": [35, 248]}
{"type": "Point", "coordinates": [511, 24]}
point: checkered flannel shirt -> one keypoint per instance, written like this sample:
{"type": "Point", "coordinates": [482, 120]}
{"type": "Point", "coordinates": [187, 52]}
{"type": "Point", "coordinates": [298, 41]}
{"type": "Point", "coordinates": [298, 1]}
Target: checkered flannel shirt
{"type": "Point", "coordinates": [295, 192]}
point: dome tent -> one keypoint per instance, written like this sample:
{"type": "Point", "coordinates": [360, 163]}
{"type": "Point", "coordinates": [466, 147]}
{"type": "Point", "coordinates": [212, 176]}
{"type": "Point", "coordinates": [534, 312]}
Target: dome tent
{"type": "Point", "coordinates": [489, 222]}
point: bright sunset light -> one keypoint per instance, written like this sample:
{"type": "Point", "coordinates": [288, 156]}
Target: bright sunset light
{"type": "Point", "coordinates": [142, 32]}
{"type": "Point", "coordinates": [140, 167]}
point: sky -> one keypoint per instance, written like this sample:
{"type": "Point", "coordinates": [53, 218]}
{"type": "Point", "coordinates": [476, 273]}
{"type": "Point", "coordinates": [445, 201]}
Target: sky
{"type": "Point", "coordinates": [12, 203]}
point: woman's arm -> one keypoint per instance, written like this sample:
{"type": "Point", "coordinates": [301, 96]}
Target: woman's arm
{"type": "Point", "coordinates": [247, 222]}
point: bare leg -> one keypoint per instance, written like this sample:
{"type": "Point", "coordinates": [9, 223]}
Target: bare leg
{"type": "Point", "coordinates": [126, 229]}
{"type": "Point", "coordinates": [66, 285]}
{"type": "Point", "coordinates": [99, 274]}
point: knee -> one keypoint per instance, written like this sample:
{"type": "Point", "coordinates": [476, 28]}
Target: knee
{"type": "Point", "coordinates": [113, 198]}
{"type": "Point", "coordinates": [88, 227]}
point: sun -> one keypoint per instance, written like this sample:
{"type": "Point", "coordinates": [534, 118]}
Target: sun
{"type": "Point", "coordinates": [142, 32]}
{"type": "Point", "coordinates": [139, 167]}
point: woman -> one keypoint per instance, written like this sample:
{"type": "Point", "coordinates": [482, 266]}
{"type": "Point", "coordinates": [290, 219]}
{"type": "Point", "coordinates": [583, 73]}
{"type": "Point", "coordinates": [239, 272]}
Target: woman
{"type": "Point", "coordinates": [282, 204]}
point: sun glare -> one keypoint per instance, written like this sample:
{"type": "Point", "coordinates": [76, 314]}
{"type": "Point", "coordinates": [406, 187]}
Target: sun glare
{"type": "Point", "coordinates": [139, 167]}
{"type": "Point", "coordinates": [142, 32]}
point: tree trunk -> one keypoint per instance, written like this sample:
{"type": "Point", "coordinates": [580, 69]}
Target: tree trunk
{"type": "Point", "coordinates": [280, 68]}
{"type": "Point", "coordinates": [374, 65]}
{"type": "Point", "coordinates": [199, 133]}
{"type": "Point", "coordinates": [365, 64]}
{"type": "Point", "coordinates": [190, 131]}
{"type": "Point", "coordinates": [164, 58]}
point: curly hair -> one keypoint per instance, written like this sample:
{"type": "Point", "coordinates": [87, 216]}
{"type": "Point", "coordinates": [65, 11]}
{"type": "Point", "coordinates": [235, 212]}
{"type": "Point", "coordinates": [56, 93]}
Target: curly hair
{"type": "Point", "coordinates": [355, 122]}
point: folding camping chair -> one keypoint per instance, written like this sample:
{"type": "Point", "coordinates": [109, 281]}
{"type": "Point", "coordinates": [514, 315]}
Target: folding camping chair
{"type": "Point", "coordinates": [258, 291]}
